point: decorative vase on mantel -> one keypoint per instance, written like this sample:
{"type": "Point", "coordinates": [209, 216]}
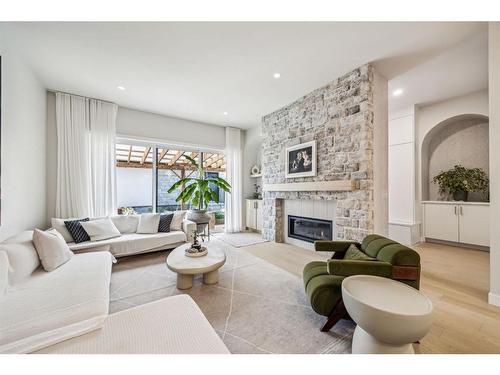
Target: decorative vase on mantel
{"type": "Point", "coordinates": [200, 217]}
{"type": "Point", "coordinates": [460, 195]}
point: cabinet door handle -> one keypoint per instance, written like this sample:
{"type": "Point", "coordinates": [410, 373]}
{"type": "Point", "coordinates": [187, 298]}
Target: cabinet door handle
{"type": "Point", "coordinates": [461, 211]}
{"type": "Point", "coordinates": [455, 210]}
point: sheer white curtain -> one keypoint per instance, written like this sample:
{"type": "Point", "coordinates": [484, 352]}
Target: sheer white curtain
{"type": "Point", "coordinates": [73, 196]}
{"type": "Point", "coordinates": [102, 157]}
{"type": "Point", "coordinates": [234, 215]}
{"type": "Point", "coordinates": [85, 157]}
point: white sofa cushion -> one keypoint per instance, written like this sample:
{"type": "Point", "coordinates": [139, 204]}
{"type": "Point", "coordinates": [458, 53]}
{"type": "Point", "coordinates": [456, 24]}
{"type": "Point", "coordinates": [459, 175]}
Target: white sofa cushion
{"type": "Point", "coordinates": [51, 307]}
{"type": "Point", "coordinates": [126, 223]}
{"type": "Point", "coordinates": [173, 325]}
{"type": "Point", "coordinates": [23, 258]}
{"type": "Point", "coordinates": [52, 250]}
{"type": "Point", "coordinates": [148, 223]}
{"type": "Point", "coordinates": [4, 272]}
{"type": "Point", "coordinates": [101, 229]}
{"type": "Point", "coordinates": [177, 220]}
{"type": "Point", "coordinates": [133, 243]}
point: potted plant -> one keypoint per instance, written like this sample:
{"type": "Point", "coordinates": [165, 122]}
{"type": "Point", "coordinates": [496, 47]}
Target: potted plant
{"type": "Point", "coordinates": [200, 192]}
{"type": "Point", "coordinates": [459, 181]}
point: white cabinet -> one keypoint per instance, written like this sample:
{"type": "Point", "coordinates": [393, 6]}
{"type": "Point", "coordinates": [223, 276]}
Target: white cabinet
{"type": "Point", "coordinates": [464, 222]}
{"type": "Point", "coordinates": [441, 222]}
{"type": "Point", "coordinates": [474, 224]}
{"type": "Point", "coordinates": [254, 214]}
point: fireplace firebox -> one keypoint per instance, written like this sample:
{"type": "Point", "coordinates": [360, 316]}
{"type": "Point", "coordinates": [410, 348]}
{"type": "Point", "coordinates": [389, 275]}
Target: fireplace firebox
{"type": "Point", "coordinates": [309, 229]}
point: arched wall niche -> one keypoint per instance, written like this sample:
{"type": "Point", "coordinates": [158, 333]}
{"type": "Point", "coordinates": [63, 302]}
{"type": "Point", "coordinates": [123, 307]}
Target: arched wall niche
{"type": "Point", "coordinates": [461, 139]}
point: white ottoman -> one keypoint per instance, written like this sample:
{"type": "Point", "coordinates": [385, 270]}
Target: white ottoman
{"type": "Point", "coordinates": [390, 315]}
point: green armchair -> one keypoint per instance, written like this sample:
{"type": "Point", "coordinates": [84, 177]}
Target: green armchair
{"type": "Point", "coordinates": [375, 255]}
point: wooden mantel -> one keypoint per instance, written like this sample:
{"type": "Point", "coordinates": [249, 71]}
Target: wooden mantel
{"type": "Point", "coordinates": [339, 185]}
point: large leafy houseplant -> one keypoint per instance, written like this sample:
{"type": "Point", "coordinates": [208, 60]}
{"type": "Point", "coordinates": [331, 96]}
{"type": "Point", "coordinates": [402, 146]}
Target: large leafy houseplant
{"type": "Point", "coordinates": [199, 191]}
{"type": "Point", "coordinates": [459, 181]}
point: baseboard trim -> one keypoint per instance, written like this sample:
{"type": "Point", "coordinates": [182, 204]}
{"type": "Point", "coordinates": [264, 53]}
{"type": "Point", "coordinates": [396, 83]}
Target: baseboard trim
{"type": "Point", "coordinates": [493, 299]}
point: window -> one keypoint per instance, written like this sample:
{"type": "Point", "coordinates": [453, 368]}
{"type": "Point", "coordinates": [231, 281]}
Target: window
{"type": "Point", "coordinates": [134, 178]}
{"type": "Point", "coordinates": [143, 183]}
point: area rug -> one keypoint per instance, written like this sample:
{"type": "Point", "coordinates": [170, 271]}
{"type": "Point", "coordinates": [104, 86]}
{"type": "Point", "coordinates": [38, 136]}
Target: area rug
{"type": "Point", "coordinates": [256, 307]}
{"type": "Point", "coordinates": [240, 239]}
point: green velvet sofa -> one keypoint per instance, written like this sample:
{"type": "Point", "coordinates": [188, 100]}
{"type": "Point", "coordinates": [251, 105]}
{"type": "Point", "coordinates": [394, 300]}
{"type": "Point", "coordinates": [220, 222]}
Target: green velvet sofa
{"type": "Point", "coordinates": [375, 255]}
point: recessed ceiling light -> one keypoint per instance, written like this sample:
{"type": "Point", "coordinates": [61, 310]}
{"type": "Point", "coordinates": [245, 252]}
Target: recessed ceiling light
{"type": "Point", "coordinates": [276, 75]}
{"type": "Point", "coordinates": [397, 92]}
{"type": "Point", "coordinates": [120, 88]}
{"type": "Point", "coordinates": [225, 113]}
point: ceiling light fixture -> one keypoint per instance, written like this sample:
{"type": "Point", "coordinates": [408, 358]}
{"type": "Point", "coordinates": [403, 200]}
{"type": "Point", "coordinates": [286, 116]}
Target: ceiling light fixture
{"type": "Point", "coordinates": [397, 92]}
{"type": "Point", "coordinates": [225, 113]}
{"type": "Point", "coordinates": [120, 88]}
{"type": "Point", "coordinates": [276, 75]}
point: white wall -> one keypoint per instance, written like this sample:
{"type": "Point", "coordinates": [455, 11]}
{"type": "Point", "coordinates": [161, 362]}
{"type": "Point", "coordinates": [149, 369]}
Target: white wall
{"type": "Point", "coordinates": [138, 124]}
{"type": "Point", "coordinates": [23, 147]}
{"type": "Point", "coordinates": [494, 113]}
{"type": "Point", "coordinates": [380, 156]}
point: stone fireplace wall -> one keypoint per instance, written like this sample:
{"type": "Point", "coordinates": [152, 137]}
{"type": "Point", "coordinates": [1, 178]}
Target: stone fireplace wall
{"type": "Point", "coordinates": [351, 136]}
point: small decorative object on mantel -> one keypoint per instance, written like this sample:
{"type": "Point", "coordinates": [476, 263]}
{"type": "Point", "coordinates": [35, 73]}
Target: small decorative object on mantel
{"type": "Point", "coordinates": [196, 250]}
{"type": "Point", "coordinates": [459, 181]}
{"type": "Point", "coordinates": [301, 160]}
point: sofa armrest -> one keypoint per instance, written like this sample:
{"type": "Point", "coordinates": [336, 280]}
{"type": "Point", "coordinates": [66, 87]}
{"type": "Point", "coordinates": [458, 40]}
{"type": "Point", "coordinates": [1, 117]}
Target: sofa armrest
{"type": "Point", "coordinates": [359, 267]}
{"type": "Point", "coordinates": [188, 227]}
{"type": "Point", "coordinates": [335, 246]}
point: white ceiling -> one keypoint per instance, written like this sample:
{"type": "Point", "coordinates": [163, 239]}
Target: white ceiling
{"type": "Point", "coordinates": [198, 71]}
{"type": "Point", "coordinates": [459, 70]}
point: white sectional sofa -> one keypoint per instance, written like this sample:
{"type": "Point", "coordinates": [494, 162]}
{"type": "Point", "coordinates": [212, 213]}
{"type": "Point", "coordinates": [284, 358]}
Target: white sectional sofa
{"type": "Point", "coordinates": [130, 242]}
{"type": "Point", "coordinates": [56, 310]}
{"type": "Point", "coordinates": [41, 308]}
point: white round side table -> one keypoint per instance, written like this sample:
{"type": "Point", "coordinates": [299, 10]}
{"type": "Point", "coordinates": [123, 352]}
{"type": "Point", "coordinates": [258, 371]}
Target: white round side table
{"type": "Point", "coordinates": [390, 315]}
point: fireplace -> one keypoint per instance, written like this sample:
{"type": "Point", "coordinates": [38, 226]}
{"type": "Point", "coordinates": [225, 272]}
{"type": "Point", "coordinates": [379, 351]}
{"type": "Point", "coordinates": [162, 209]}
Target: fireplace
{"type": "Point", "coordinates": [309, 229]}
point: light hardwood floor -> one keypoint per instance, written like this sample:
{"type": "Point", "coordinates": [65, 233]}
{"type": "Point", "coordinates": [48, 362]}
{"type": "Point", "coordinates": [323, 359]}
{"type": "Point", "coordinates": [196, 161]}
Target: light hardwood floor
{"type": "Point", "coordinates": [456, 280]}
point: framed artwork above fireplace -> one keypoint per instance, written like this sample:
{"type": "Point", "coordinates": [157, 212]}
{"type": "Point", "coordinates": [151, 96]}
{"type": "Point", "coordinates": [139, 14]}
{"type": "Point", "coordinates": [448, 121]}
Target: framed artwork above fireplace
{"type": "Point", "coordinates": [301, 160]}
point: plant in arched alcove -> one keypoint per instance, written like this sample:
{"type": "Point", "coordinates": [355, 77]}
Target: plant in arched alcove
{"type": "Point", "coordinates": [459, 181]}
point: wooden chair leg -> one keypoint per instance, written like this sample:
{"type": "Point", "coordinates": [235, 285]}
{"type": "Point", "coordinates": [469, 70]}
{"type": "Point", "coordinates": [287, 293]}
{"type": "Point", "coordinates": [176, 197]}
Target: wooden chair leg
{"type": "Point", "coordinates": [338, 313]}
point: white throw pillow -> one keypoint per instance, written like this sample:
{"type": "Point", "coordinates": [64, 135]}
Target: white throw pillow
{"type": "Point", "coordinates": [52, 249]}
{"type": "Point", "coordinates": [4, 272]}
{"type": "Point", "coordinates": [101, 229]}
{"type": "Point", "coordinates": [23, 258]}
{"type": "Point", "coordinates": [148, 223]}
{"type": "Point", "coordinates": [126, 223]}
{"type": "Point", "coordinates": [177, 220]}
{"type": "Point", "coordinates": [58, 224]}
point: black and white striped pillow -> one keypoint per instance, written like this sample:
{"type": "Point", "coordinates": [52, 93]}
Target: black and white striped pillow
{"type": "Point", "coordinates": [76, 230]}
{"type": "Point", "coordinates": [165, 221]}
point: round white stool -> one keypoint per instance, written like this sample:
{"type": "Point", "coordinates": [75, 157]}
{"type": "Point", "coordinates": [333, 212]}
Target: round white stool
{"type": "Point", "coordinates": [390, 315]}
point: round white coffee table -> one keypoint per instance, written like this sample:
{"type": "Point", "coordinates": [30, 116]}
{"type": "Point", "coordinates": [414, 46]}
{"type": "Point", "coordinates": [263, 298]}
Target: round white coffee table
{"type": "Point", "coordinates": [390, 315]}
{"type": "Point", "coordinates": [187, 267]}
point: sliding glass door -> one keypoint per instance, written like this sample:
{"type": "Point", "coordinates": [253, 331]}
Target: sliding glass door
{"type": "Point", "coordinates": [146, 172]}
